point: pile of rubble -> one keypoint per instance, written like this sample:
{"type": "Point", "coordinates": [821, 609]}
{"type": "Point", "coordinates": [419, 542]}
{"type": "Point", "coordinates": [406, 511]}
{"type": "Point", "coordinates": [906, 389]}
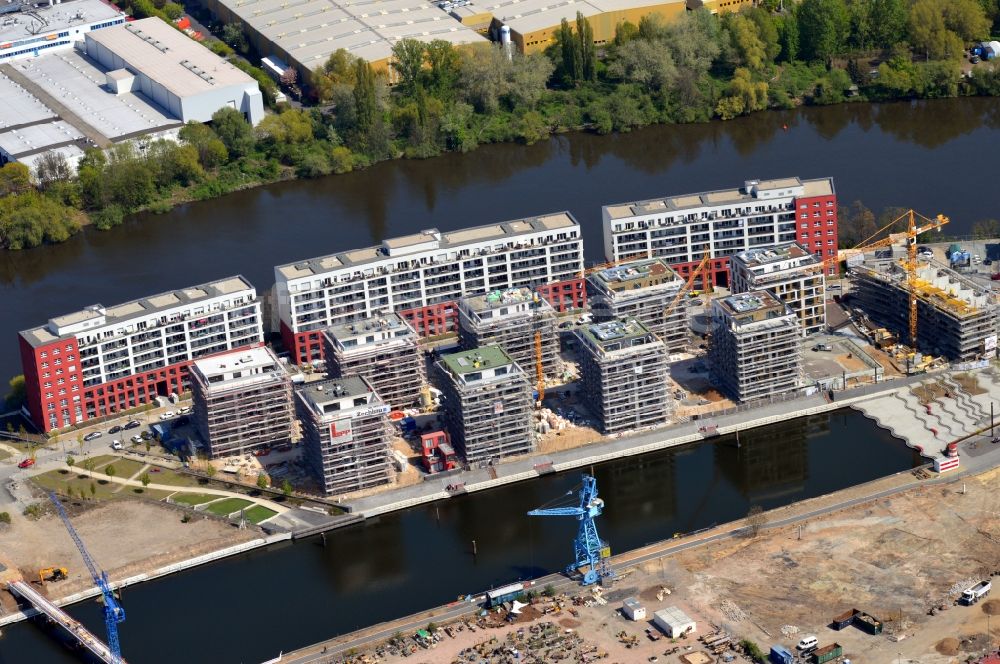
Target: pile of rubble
{"type": "Point", "coordinates": [536, 644]}
{"type": "Point", "coordinates": [731, 611]}
{"type": "Point", "coordinates": [546, 420]}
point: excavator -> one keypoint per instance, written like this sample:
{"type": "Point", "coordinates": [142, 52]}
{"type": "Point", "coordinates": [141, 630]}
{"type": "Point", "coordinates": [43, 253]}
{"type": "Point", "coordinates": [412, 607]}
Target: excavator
{"type": "Point", "coordinates": [52, 574]}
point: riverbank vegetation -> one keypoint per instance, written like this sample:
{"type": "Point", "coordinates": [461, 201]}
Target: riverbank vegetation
{"type": "Point", "coordinates": [446, 98]}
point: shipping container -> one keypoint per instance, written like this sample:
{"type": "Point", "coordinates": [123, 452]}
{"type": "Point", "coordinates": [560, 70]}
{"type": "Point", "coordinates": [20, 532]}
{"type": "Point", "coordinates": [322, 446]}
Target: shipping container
{"type": "Point", "coordinates": [844, 620]}
{"type": "Point", "coordinates": [781, 655]}
{"type": "Point", "coordinates": [827, 653]}
{"type": "Point", "coordinates": [868, 623]}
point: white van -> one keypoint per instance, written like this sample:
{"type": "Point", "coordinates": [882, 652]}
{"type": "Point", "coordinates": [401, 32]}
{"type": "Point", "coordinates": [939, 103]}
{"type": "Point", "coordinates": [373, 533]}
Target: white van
{"type": "Point", "coordinates": [807, 642]}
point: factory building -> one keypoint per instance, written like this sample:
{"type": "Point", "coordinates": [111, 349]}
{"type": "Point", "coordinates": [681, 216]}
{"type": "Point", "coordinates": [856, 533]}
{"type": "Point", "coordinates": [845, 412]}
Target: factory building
{"type": "Point", "coordinates": [956, 317]}
{"type": "Point", "coordinates": [533, 24]}
{"type": "Point", "coordinates": [174, 71]}
{"type": "Point", "coordinates": [762, 213]}
{"type": "Point", "coordinates": [242, 401]}
{"type": "Point", "coordinates": [511, 319]}
{"type": "Point", "coordinates": [103, 360]}
{"type": "Point", "coordinates": [789, 272]}
{"type": "Point", "coordinates": [305, 33]}
{"type": "Point", "coordinates": [487, 405]}
{"type": "Point", "coordinates": [345, 430]}
{"type": "Point", "coordinates": [643, 290]}
{"type": "Point", "coordinates": [421, 276]}
{"type": "Point", "coordinates": [384, 351]}
{"type": "Point", "coordinates": [755, 352]}
{"type": "Point", "coordinates": [28, 30]}
{"type": "Point", "coordinates": [623, 368]}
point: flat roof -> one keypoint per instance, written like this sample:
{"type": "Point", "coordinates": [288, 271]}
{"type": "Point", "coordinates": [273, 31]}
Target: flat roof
{"type": "Point", "coordinates": [247, 358]}
{"type": "Point", "coordinates": [334, 389]}
{"type": "Point", "coordinates": [57, 18]}
{"type": "Point", "coordinates": [779, 252]}
{"type": "Point", "coordinates": [311, 30]}
{"type": "Point", "coordinates": [501, 298]}
{"type": "Point", "coordinates": [627, 273]}
{"type": "Point", "coordinates": [381, 323]}
{"type": "Point", "coordinates": [78, 83]}
{"type": "Point", "coordinates": [19, 106]}
{"type": "Point", "coordinates": [477, 359]}
{"type": "Point", "coordinates": [136, 308]}
{"type": "Point", "coordinates": [750, 302]}
{"type": "Point", "coordinates": [818, 187]}
{"type": "Point", "coordinates": [38, 138]}
{"type": "Point", "coordinates": [525, 16]}
{"type": "Point", "coordinates": [448, 240]}
{"type": "Point", "coordinates": [613, 332]}
{"type": "Point", "coordinates": [169, 57]}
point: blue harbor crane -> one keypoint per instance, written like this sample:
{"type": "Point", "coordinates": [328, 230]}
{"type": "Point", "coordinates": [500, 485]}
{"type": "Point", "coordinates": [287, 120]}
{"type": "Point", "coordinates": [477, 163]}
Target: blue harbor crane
{"type": "Point", "coordinates": [113, 612]}
{"type": "Point", "coordinates": [589, 551]}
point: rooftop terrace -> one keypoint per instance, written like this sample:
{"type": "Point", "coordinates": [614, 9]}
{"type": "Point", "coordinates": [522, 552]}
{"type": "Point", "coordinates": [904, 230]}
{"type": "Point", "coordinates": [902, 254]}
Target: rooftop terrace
{"type": "Point", "coordinates": [321, 392]}
{"type": "Point", "coordinates": [631, 273]}
{"type": "Point", "coordinates": [767, 255]}
{"type": "Point", "coordinates": [615, 334]}
{"type": "Point", "coordinates": [389, 322]}
{"type": "Point", "coordinates": [477, 359]}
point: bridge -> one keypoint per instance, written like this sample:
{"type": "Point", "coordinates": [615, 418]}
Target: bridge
{"type": "Point", "coordinates": [78, 632]}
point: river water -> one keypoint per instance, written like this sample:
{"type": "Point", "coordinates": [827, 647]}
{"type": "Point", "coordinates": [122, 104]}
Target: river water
{"type": "Point", "coordinates": [932, 156]}
{"type": "Point", "coordinates": [248, 608]}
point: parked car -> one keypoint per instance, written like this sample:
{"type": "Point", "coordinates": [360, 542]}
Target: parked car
{"type": "Point", "coordinates": [145, 435]}
{"type": "Point", "coordinates": [184, 410]}
{"type": "Point", "coordinates": [117, 445]}
{"type": "Point", "coordinates": [27, 463]}
{"type": "Point", "coordinates": [995, 276]}
{"type": "Point", "coordinates": [167, 415]}
{"type": "Point", "coordinates": [132, 424]}
{"type": "Point", "coordinates": [262, 453]}
{"type": "Point", "coordinates": [93, 435]}
{"type": "Point", "coordinates": [115, 429]}
{"type": "Point", "coordinates": [136, 438]}
{"type": "Point", "coordinates": [826, 348]}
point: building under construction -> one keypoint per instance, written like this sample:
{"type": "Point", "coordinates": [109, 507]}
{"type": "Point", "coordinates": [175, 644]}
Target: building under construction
{"type": "Point", "coordinates": [623, 368]}
{"type": "Point", "coordinates": [487, 404]}
{"type": "Point", "coordinates": [511, 319]}
{"type": "Point", "coordinates": [956, 318]}
{"type": "Point", "coordinates": [755, 352]}
{"type": "Point", "coordinates": [384, 350]}
{"type": "Point", "coordinates": [643, 290]}
{"type": "Point", "coordinates": [790, 272]}
{"type": "Point", "coordinates": [242, 401]}
{"type": "Point", "coordinates": [345, 430]}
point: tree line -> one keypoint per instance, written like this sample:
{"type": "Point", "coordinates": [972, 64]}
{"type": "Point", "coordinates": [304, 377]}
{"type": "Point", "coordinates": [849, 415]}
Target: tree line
{"type": "Point", "coordinates": [440, 97]}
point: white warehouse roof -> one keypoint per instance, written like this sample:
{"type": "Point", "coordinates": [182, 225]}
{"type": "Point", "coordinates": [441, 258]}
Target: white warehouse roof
{"type": "Point", "coordinates": [169, 57]}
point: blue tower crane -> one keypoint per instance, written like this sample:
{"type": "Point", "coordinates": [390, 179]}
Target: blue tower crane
{"type": "Point", "coordinates": [113, 612]}
{"type": "Point", "coordinates": [588, 548]}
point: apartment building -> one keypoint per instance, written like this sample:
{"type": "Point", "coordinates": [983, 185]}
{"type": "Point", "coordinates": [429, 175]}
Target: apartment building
{"type": "Point", "coordinates": [103, 360]}
{"type": "Point", "coordinates": [384, 350]}
{"type": "Point", "coordinates": [345, 430]}
{"type": "Point", "coordinates": [623, 368]}
{"type": "Point", "coordinates": [789, 272]}
{"type": "Point", "coordinates": [643, 290]}
{"type": "Point", "coordinates": [421, 276]}
{"type": "Point", "coordinates": [755, 352]}
{"type": "Point", "coordinates": [487, 404]}
{"type": "Point", "coordinates": [683, 229]}
{"type": "Point", "coordinates": [242, 401]}
{"type": "Point", "coordinates": [511, 319]}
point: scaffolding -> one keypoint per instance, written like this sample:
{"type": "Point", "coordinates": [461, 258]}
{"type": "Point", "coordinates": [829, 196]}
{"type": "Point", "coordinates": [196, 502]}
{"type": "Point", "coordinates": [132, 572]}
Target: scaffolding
{"type": "Point", "coordinates": [642, 290]}
{"type": "Point", "coordinates": [789, 272]}
{"type": "Point", "coordinates": [623, 366]}
{"type": "Point", "coordinates": [955, 316]}
{"type": "Point", "coordinates": [512, 319]}
{"type": "Point", "coordinates": [755, 352]}
{"type": "Point", "coordinates": [384, 350]}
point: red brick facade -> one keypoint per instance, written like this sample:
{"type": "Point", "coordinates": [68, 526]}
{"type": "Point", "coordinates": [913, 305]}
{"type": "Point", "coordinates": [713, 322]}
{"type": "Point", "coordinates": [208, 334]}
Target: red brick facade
{"type": "Point", "coordinates": [816, 227]}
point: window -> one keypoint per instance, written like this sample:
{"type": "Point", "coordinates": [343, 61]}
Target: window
{"type": "Point", "coordinates": [829, 203]}
{"type": "Point", "coordinates": [48, 384]}
{"type": "Point", "coordinates": [43, 354]}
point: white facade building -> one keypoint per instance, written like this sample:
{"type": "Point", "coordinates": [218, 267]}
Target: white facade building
{"type": "Point", "coordinates": [683, 229]}
{"type": "Point", "coordinates": [421, 276]}
{"type": "Point", "coordinates": [792, 274]}
{"type": "Point", "coordinates": [29, 30]}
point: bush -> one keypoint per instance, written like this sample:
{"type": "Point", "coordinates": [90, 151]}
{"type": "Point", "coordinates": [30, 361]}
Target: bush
{"type": "Point", "coordinates": [108, 217]}
{"type": "Point", "coordinates": [753, 651]}
{"type": "Point", "coordinates": [33, 511]}
{"type": "Point", "coordinates": [5, 517]}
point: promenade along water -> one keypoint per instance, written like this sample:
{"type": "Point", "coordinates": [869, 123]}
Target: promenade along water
{"type": "Point", "coordinates": [248, 608]}
{"type": "Point", "coordinates": [922, 155]}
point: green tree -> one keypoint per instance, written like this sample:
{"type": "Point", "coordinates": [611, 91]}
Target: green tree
{"type": "Point", "coordinates": [588, 52]}
{"type": "Point", "coordinates": [70, 462]}
{"type": "Point", "coordinates": [986, 229]}
{"type": "Point", "coordinates": [232, 34]}
{"type": "Point", "coordinates": [966, 18]}
{"type": "Point", "coordinates": [31, 219]}
{"type": "Point", "coordinates": [212, 152]}
{"type": "Point", "coordinates": [16, 393]}
{"type": "Point", "coordinates": [442, 62]}
{"type": "Point", "coordinates": [234, 131]}
{"type": "Point", "coordinates": [747, 47]}
{"type": "Point", "coordinates": [408, 61]}
{"type": "Point", "coordinates": [625, 32]}
{"type": "Point", "coordinates": [15, 178]}
{"type": "Point", "coordinates": [93, 489]}
{"type": "Point", "coordinates": [823, 28]}
{"type": "Point", "coordinates": [571, 57]}
{"type": "Point", "coordinates": [929, 32]}
{"type": "Point", "coordinates": [262, 482]}
{"type": "Point", "coordinates": [210, 470]}
{"type": "Point", "coordinates": [286, 488]}
{"type": "Point", "coordinates": [644, 62]}
{"type": "Point", "coordinates": [289, 128]}
{"type": "Point", "coordinates": [145, 479]}
{"type": "Point", "coordinates": [887, 21]}
{"type": "Point", "coordinates": [110, 470]}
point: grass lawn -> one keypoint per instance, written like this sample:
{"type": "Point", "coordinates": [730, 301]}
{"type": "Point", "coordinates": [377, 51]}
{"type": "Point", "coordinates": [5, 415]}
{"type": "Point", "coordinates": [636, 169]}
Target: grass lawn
{"type": "Point", "coordinates": [172, 478]}
{"type": "Point", "coordinates": [62, 481]}
{"type": "Point", "coordinates": [192, 498]}
{"type": "Point", "coordinates": [125, 468]}
{"type": "Point", "coordinates": [227, 506]}
{"type": "Point", "coordinates": [257, 513]}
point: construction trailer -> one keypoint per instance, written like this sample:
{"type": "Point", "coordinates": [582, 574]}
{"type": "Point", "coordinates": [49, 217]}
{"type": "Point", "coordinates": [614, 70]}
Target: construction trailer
{"type": "Point", "coordinates": [755, 350]}
{"type": "Point", "coordinates": [436, 451]}
{"type": "Point", "coordinates": [956, 317]}
{"type": "Point", "coordinates": [642, 290]}
{"type": "Point", "coordinates": [623, 368]}
{"type": "Point", "coordinates": [384, 349]}
{"type": "Point", "coordinates": [673, 622]}
{"type": "Point", "coordinates": [511, 319]}
{"type": "Point", "coordinates": [487, 404]}
{"type": "Point", "coordinates": [242, 401]}
{"type": "Point", "coordinates": [345, 430]}
{"type": "Point", "coordinates": [789, 272]}
{"type": "Point", "coordinates": [633, 609]}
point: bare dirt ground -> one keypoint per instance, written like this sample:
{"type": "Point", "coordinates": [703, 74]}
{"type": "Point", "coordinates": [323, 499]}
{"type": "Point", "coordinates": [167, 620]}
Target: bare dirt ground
{"type": "Point", "coordinates": [567, 439]}
{"type": "Point", "coordinates": [118, 536]}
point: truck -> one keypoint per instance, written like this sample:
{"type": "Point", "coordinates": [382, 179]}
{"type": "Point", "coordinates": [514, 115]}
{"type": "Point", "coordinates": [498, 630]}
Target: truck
{"type": "Point", "coordinates": [972, 595]}
{"type": "Point", "coordinates": [827, 653]}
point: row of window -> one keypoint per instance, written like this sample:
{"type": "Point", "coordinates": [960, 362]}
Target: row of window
{"type": "Point", "coordinates": [803, 206]}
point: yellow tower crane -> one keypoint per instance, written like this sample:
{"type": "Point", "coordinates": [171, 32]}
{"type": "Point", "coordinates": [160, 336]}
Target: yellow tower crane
{"type": "Point", "coordinates": [700, 270]}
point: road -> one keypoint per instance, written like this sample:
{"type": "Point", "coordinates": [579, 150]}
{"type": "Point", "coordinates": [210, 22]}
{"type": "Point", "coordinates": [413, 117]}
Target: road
{"type": "Point", "coordinates": [317, 655]}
